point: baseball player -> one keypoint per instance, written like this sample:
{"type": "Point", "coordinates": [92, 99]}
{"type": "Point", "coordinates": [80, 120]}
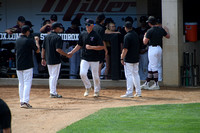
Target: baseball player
{"type": "Point", "coordinates": [74, 62]}
{"type": "Point", "coordinates": [48, 26]}
{"type": "Point", "coordinates": [159, 23]}
{"type": "Point", "coordinates": [91, 43]}
{"type": "Point", "coordinates": [130, 60]}
{"type": "Point", "coordinates": [143, 61]}
{"type": "Point", "coordinates": [17, 28]}
{"type": "Point", "coordinates": [99, 28]}
{"type": "Point", "coordinates": [154, 37]}
{"type": "Point", "coordinates": [51, 50]}
{"type": "Point", "coordinates": [24, 64]}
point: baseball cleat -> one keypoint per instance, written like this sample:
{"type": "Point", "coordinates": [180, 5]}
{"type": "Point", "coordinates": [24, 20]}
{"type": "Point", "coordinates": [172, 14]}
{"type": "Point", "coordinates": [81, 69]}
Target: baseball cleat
{"type": "Point", "coordinates": [155, 86]}
{"type": "Point", "coordinates": [55, 96]}
{"type": "Point", "coordinates": [145, 86]}
{"type": "Point", "coordinates": [26, 106]}
{"type": "Point", "coordinates": [137, 95]}
{"type": "Point", "coordinates": [21, 103]}
{"type": "Point", "coordinates": [127, 96]}
{"type": "Point", "coordinates": [87, 91]}
{"type": "Point", "coordinates": [96, 94]}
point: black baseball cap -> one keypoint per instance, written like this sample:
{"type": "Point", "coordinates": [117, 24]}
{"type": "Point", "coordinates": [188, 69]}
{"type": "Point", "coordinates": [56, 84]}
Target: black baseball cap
{"type": "Point", "coordinates": [56, 24]}
{"type": "Point", "coordinates": [25, 28]}
{"type": "Point", "coordinates": [101, 16]}
{"type": "Point", "coordinates": [109, 20]}
{"type": "Point", "coordinates": [89, 21]}
{"type": "Point", "coordinates": [151, 20]}
{"type": "Point", "coordinates": [128, 24]}
{"type": "Point", "coordinates": [76, 21]}
{"type": "Point", "coordinates": [21, 19]}
{"type": "Point", "coordinates": [54, 17]}
{"type": "Point", "coordinates": [29, 23]}
{"type": "Point", "coordinates": [130, 19]}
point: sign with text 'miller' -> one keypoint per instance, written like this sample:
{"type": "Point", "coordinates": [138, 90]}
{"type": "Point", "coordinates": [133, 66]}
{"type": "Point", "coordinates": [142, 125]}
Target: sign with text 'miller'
{"type": "Point", "coordinates": [81, 7]}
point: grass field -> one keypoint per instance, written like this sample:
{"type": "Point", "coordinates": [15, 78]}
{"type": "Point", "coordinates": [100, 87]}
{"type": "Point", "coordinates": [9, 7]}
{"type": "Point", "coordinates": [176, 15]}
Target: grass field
{"type": "Point", "coordinates": [169, 118]}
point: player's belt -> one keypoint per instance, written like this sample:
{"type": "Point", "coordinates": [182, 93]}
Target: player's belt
{"type": "Point", "coordinates": [155, 45]}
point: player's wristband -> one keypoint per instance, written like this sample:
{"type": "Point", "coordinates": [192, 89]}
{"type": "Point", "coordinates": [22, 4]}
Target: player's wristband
{"type": "Point", "coordinates": [43, 58]}
{"type": "Point", "coordinates": [121, 59]}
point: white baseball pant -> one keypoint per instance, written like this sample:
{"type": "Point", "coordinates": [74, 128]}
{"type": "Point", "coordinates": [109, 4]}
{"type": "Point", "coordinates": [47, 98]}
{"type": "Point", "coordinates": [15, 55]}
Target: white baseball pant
{"type": "Point", "coordinates": [54, 71]}
{"type": "Point", "coordinates": [84, 66]}
{"type": "Point", "coordinates": [155, 58]}
{"type": "Point", "coordinates": [25, 81]}
{"type": "Point", "coordinates": [132, 78]}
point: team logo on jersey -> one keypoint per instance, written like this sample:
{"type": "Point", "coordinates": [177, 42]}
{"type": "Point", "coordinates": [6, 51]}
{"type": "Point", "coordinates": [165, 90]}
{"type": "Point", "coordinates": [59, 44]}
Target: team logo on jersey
{"type": "Point", "coordinates": [91, 38]}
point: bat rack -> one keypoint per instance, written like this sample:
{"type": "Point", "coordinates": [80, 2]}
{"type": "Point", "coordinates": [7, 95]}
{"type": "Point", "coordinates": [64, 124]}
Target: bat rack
{"type": "Point", "coordinates": [189, 70]}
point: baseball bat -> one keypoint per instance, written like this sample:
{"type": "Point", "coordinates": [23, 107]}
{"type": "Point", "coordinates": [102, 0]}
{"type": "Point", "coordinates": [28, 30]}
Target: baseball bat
{"type": "Point", "coordinates": [195, 56]}
{"type": "Point", "coordinates": [184, 68]}
{"type": "Point", "coordinates": [182, 76]}
{"type": "Point", "coordinates": [191, 70]}
{"type": "Point", "coordinates": [187, 70]}
{"type": "Point", "coordinates": [195, 70]}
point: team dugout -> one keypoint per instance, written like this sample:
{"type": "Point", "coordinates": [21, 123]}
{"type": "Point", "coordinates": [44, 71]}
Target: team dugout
{"type": "Point", "coordinates": [7, 54]}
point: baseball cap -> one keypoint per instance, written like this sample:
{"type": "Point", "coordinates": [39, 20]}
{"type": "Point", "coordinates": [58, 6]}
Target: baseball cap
{"type": "Point", "coordinates": [101, 16]}
{"type": "Point", "coordinates": [76, 21]}
{"type": "Point", "coordinates": [21, 19]}
{"type": "Point", "coordinates": [56, 24]}
{"type": "Point", "coordinates": [108, 20]}
{"type": "Point", "coordinates": [25, 28]}
{"type": "Point", "coordinates": [128, 24]}
{"type": "Point", "coordinates": [89, 21]}
{"type": "Point", "coordinates": [130, 19]}
{"type": "Point", "coordinates": [151, 20]}
{"type": "Point", "coordinates": [29, 23]}
{"type": "Point", "coordinates": [54, 17]}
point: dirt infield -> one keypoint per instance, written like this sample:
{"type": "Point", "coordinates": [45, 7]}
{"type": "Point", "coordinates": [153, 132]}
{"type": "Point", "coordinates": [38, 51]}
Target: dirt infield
{"type": "Point", "coordinates": [50, 115]}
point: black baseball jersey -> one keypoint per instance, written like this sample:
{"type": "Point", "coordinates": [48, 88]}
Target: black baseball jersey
{"type": "Point", "coordinates": [24, 52]}
{"type": "Point", "coordinates": [141, 31]}
{"type": "Point", "coordinates": [131, 42]}
{"type": "Point", "coordinates": [100, 30]}
{"type": "Point", "coordinates": [155, 35]}
{"type": "Point", "coordinates": [52, 42]}
{"type": "Point", "coordinates": [92, 39]}
{"type": "Point", "coordinates": [123, 32]}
